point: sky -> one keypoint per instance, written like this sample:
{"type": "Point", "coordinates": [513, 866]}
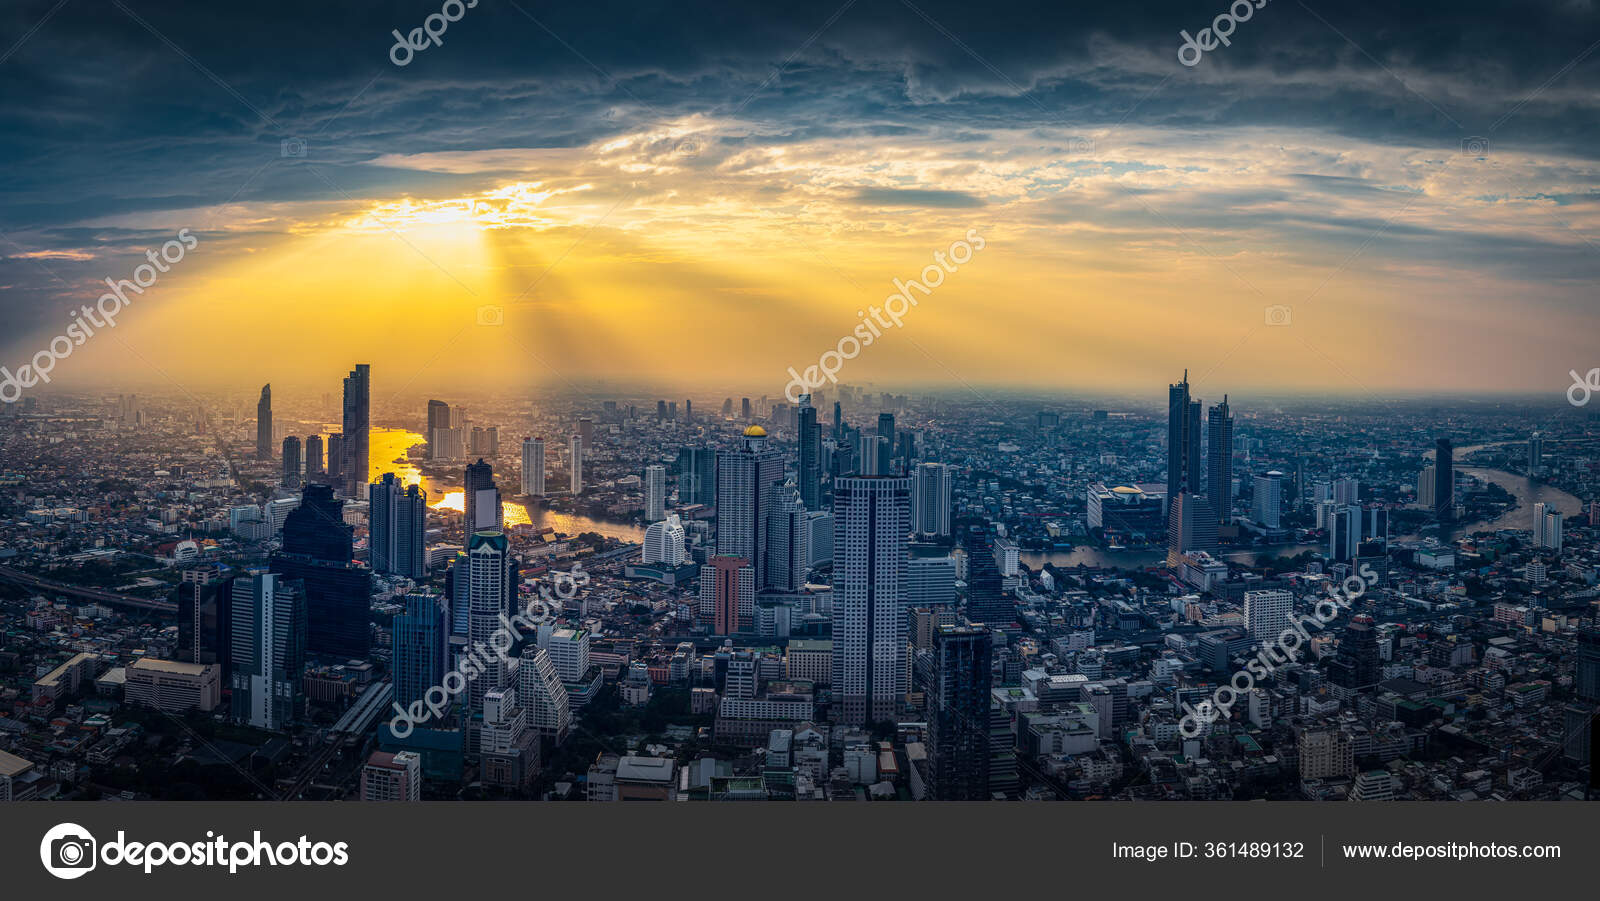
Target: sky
{"type": "Point", "coordinates": [1351, 197]}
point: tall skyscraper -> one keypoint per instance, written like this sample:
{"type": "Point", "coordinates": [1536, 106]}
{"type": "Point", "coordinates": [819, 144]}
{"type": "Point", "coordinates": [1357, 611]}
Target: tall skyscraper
{"type": "Point", "coordinates": [788, 540]}
{"type": "Point", "coordinates": [872, 517]}
{"type": "Point", "coordinates": [533, 467]}
{"type": "Point", "coordinates": [480, 499]}
{"type": "Point", "coordinates": [655, 492]}
{"type": "Point", "coordinates": [1535, 452]}
{"type": "Point", "coordinates": [264, 424]}
{"type": "Point", "coordinates": [586, 433]}
{"type": "Point", "coordinates": [491, 592]}
{"type": "Point", "coordinates": [575, 469]}
{"type": "Point", "coordinates": [313, 455]}
{"type": "Point", "coordinates": [809, 464]}
{"type": "Point", "coordinates": [1183, 441]}
{"type": "Point", "coordinates": [987, 602]}
{"type": "Point", "coordinates": [1547, 527]}
{"type": "Point", "coordinates": [291, 462]}
{"type": "Point", "coordinates": [357, 421]}
{"type": "Point", "coordinates": [397, 521]}
{"type": "Point", "coordinates": [745, 477]}
{"type": "Point", "coordinates": [1219, 462]}
{"type": "Point", "coordinates": [204, 622]}
{"type": "Point", "coordinates": [697, 476]}
{"type": "Point", "coordinates": [1266, 504]}
{"type": "Point", "coordinates": [317, 549]}
{"type": "Point", "coordinates": [885, 465]}
{"type": "Point", "coordinates": [336, 459]}
{"type": "Point", "coordinates": [1444, 481]}
{"type": "Point", "coordinates": [421, 638]}
{"type": "Point", "coordinates": [1191, 527]}
{"type": "Point", "coordinates": [958, 690]}
{"type": "Point", "coordinates": [931, 499]}
{"type": "Point", "coordinates": [268, 646]}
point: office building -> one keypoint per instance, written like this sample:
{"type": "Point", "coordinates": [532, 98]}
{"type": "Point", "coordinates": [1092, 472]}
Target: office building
{"type": "Point", "coordinates": [788, 540]}
{"type": "Point", "coordinates": [727, 595]}
{"type": "Point", "coordinates": [491, 594]}
{"type": "Point", "coordinates": [872, 517]}
{"type": "Point", "coordinates": [268, 645]}
{"type": "Point", "coordinates": [1192, 528]}
{"type": "Point", "coordinates": [542, 694]}
{"type": "Point", "coordinates": [1266, 503]}
{"type": "Point", "coordinates": [655, 492]}
{"type": "Point", "coordinates": [1356, 665]}
{"type": "Point", "coordinates": [697, 476]}
{"type": "Point", "coordinates": [314, 455]}
{"type": "Point", "coordinates": [958, 693]}
{"type": "Point", "coordinates": [809, 464]}
{"type": "Point", "coordinates": [421, 637]}
{"type": "Point", "coordinates": [533, 467]}
{"type": "Point", "coordinates": [204, 623]}
{"type": "Point", "coordinates": [392, 777]}
{"type": "Point", "coordinates": [480, 499]}
{"type": "Point", "coordinates": [317, 549]}
{"type": "Point", "coordinates": [1219, 460]}
{"type": "Point", "coordinates": [173, 686]}
{"type": "Point", "coordinates": [356, 448]}
{"type": "Point", "coordinates": [1183, 441]}
{"type": "Point", "coordinates": [1266, 613]}
{"type": "Point", "coordinates": [745, 477]}
{"type": "Point", "coordinates": [1444, 481]}
{"type": "Point", "coordinates": [987, 601]}
{"type": "Point", "coordinates": [931, 499]}
{"type": "Point", "coordinates": [575, 465]}
{"type": "Point", "coordinates": [397, 523]}
{"type": "Point", "coordinates": [291, 462]}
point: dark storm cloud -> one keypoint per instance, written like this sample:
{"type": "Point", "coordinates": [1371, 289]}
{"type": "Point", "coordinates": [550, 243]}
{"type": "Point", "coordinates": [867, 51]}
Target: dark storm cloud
{"type": "Point", "coordinates": [117, 109]}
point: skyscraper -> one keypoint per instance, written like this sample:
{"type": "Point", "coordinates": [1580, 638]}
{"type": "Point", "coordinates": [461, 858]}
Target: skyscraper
{"type": "Point", "coordinates": [987, 602]}
{"type": "Point", "coordinates": [1191, 527]}
{"type": "Point", "coordinates": [931, 499]}
{"type": "Point", "coordinates": [480, 499]}
{"type": "Point", "coordinates": [727, 594]}
{"type": "Point", "coordinates": [663, 542]}
{"type": "Point", "coordinates": [958, 712]}
{"type": "Point", "coordinates": [291, 462]}
{"type": "Point", "coordinates": [697, 476]}
{"type": "Point", "coordinates": [397, 521]}
{"type": "Point", "coordinates": [313, 455]}
{"type": "Point", "coordinates": [357, 420]}
{"type": "Point", "coordinates": [885, 465]}
{"type": "Point", "coordinates": [264, 424]}
{"type": "Point", "coordinates": [809, 468]}
{"type": "Point", "coordinates": [1183, 441]}
{"type": "Point", "coordinates": [872, 517]}
{"type": "Point", "coordinates": [788, 540]}
{"type": "Point", "coordinates": [491, 591]}
{"type": "Point", "coordinates": [533, 467]}
{"type": "Point", "coordinates": [1266, 613]}
{"type": "Point", "coordinates": [317, 550]}
{"type": "Point", "coordinates": [1444, 481]}
{"type": "Point", "coordinates": [1266, 504]}
{"type": "Point", "coordinates": [745, 477]}
{"type": "Point", "coordinates": [336, 459]}
{"type": "Point", "coordinates": [655, 492]}
{"type": "Point", "coordinates": [575, 472]}
{"type": "Point", "coordinates": [268, 646]}
{"type": "Point", "coordinates": [1356, 666]}
{"type": "Point", "coordinates": [1219, 460]}
{"type": "Point", "coordinates": [420, 639]}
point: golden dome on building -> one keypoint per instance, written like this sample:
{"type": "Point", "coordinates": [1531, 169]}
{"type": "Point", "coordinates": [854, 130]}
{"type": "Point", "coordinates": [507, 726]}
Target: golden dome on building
{"type": "Point", "coordinates": [755, 431]}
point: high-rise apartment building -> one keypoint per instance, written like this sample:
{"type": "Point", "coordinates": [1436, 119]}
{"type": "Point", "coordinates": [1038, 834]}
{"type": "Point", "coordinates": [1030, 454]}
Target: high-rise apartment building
{"type": "Point", "coordinates": [357, 421]}
{"type": "Point", "coordinates": [872, 517]}
{"type": "Point", "coordinates": [931, 499]}
{"type": "Point", "coordinates": [397, 523]}
{"type": "Point", "coordinates": [958, 693]}
{"type": "Point", "coordinates": [745, 477]}
{"type": "Point", "coordinates": [533, 467]}
{"type": "Point", "coordinates": [809, 462]}
{"type": "Point", "coordinates": [655, 492]}
{"type": "Point", "coordinates": [268, 647]}
{"type": "Point", "coordinates": [1219, 460]}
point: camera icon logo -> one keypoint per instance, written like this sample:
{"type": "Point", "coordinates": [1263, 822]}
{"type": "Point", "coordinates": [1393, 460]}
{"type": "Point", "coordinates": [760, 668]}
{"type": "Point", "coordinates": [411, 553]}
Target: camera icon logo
{"type": "Point", "coordinates": [292, 147]}
{"type": "Point", "coordinates": [490, 314]}
{"type": "Point", "coordinates": [1278, 314]}
{"type": "Point", "coordinates": [67, 851]}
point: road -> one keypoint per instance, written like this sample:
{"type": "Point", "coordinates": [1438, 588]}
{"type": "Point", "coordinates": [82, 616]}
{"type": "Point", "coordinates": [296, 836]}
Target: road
{"type": "Point", "coordinates": [14, 577]}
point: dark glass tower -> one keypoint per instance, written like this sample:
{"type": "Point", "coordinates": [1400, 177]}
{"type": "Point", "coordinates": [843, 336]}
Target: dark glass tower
{"type": "Point", "coordinates": [697, 476]}
{"type": "Point", "coordinates": [317, 550]}
{"type": "Point", "coordinates": [958, 712]}
{"type": "Point", "coordinates": [397, 522]}
{"type": "Point", "coordinates": [1183, 441]}
{"type": "Point", "coordinates": [480, 477]}
{"type": "Point", "coordinates": [421, 636]}
{"type": "Point", "coordinates": [291, 462]}
{"type": "Point", "coordinates": [810, 463]}
{"type": "Point", "coordinates": [357, 419]}
{"type": "Point", "coordinates": [1219, 460]}
{"type": "Point", "coordinates": [1444, 481]}
{"type": "Point", "coordinates": [987, 602]}
{"type": "Point", "coordinates": [1355, 667]}
{"type": "Point", "coordinates": [264, 424]}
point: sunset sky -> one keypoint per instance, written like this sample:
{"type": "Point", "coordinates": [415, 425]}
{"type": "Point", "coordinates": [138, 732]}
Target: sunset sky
{"type": "Point", "coordinates": [706, 193]}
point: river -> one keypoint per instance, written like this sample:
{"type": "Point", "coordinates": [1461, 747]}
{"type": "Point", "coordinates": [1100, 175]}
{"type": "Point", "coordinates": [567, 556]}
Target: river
{"type": "Point", "coordinates": [388, 447]}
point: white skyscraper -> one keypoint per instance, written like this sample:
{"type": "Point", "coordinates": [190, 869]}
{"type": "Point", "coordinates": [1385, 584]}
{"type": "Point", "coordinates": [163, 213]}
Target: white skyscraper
{"type": "Point", "coordinates": [541, 693]}
{"type": "Point", "coordinates": [1546, 527]}
{"type": "Point", "coordinates": [576, 453]}
{"type": "Point", "coordinates": [491, 578]}
{"type": "Point", "coordinates": [663, 542]}
{"type": "Point", "coordinates": [1346, 492]}
{"type": "Point", "coordinates": [533, 467]}
{"type": "Point", "coordinates": [655, 492]}
{"type": "Point", "coordinates": [872, 517]}
{"type": "Point", "coordinates": [1266, 613]}
{"type": "Point", "coordinates": [1267, 505]}
{"type": "Point", "coordinates": [930, 499]}
{"type": "Point", "coordinates": [744, 495]}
